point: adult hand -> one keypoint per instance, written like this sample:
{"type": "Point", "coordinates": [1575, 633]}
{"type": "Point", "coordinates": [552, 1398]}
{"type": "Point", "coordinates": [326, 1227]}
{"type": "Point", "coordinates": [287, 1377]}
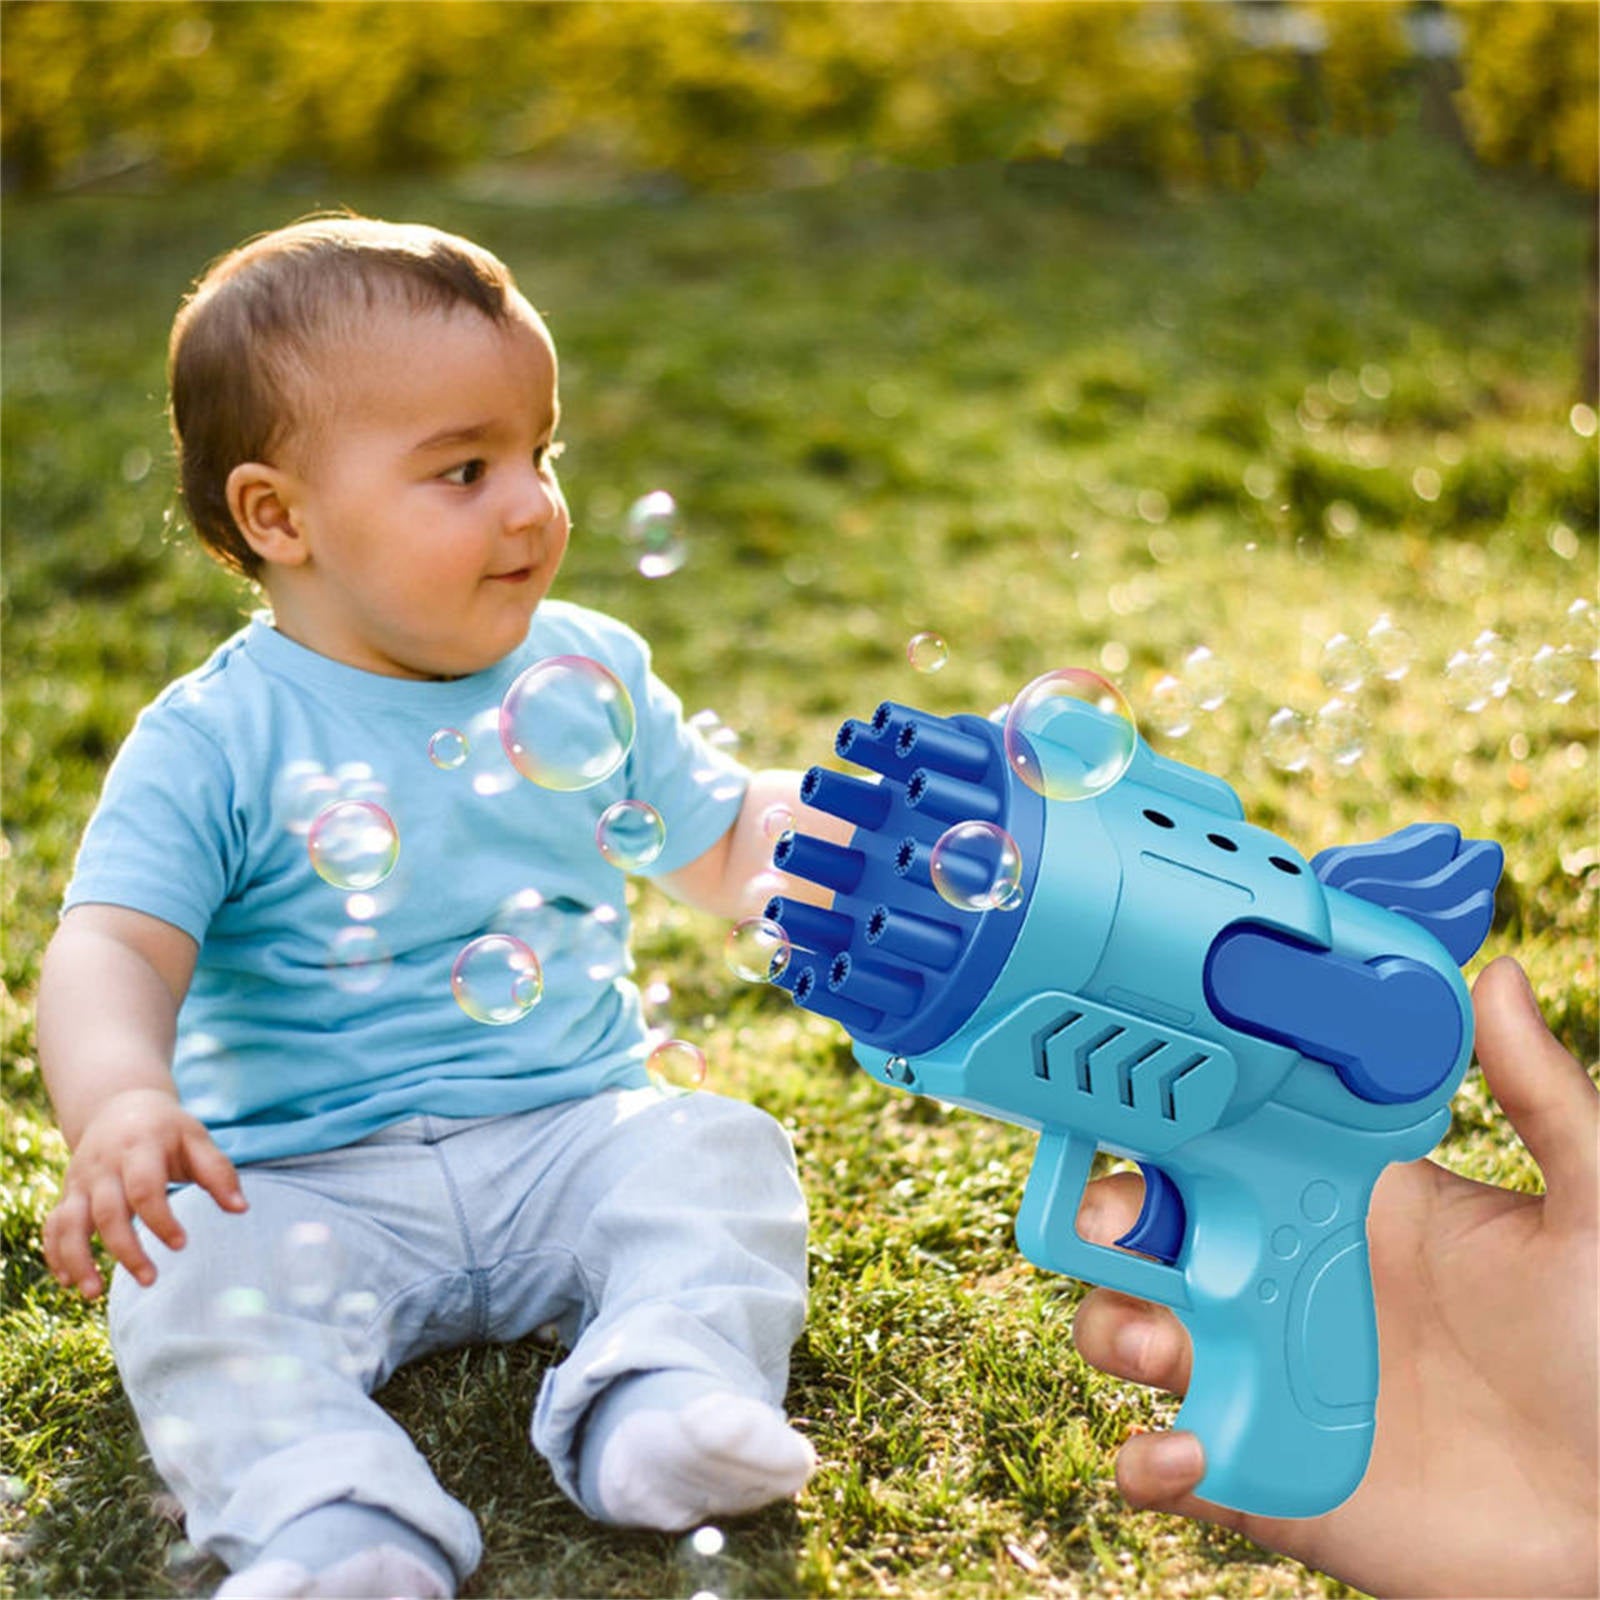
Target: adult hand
{"type": "Point", "coordinates": [138, 1141]}
{"type": "Point", "coordinates": [1483, 1478]}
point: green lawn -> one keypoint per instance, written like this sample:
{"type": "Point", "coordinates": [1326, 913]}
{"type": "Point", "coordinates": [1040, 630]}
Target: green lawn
{"type": "Point", "coordinates": [1057, 417]}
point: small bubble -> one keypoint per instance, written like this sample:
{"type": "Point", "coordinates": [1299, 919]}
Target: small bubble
{"type": "Point", "coordinates": [302, 790]}
{"type": "Point", "coordinates": [1152, 505]}
{"type": "Point", "coordinates": [630, 834]}
{"type": "Point", "coordinates": [756, 949]}
{"type": "Point", "coordinates": [353, 844]}
{"type": "Point", "coordinates": [1070, 735]}
{"type": "Point", "coordinates": [707, 1541]}
{"type": "Point", "coordinates": [1554, 674]}
{"type": "Point", "coordinates": [1169, 707]}
{"type": "Point", "coordinates": [1376, 383]}
{"type": "Point", "coordinates": [447, 749]}
{"type": "Point", "coordinates": [496, 979]}
{"type": "Point", "coordinates": [975, 866]}
{"type": "Point", "coordinates": [310, 1262]}
{"type": "Point", "coordinates": [776, 821]}
{"type": "Point", "coordinates": [1562, 541]}
{"type": "Point", "coordinates": [1391, 647]}
{"type": "Point", "coordinates": [1345, 664]}
{"type": "Point", "coordinates": [1207, 677]}
{"type": "Point", "coordinates": [1342, 518]}
{"type": "Point", "coordinates": [1583, 420]}
{"type": "Point", "coordinates": [358, 960]}
{"type": "Point", "coordinates": [655, 534]}
{"type": "Point", "coordinates": [567, 723]}
{"type": "Point", "coordinates": [1426, 484]}
{"type": "Point", "coordinates": [1340, 732]}
{"type": "Point", "coordinates": [1580, 629]}
{"type": "Point", "coordinates": [676, 1064]}
{"type": "Point", "coordinates": [1287, 741]}
{"type": "Point", "coordinates": [927, 652]}
{"type": "Point", "coordinates": [1260, 481]}
{"type": "Point", "coordinates": [136, 464]}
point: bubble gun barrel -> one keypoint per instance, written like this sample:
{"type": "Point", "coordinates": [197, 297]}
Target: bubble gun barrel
{"type": "Point", "coordinates": [1262, 1033]}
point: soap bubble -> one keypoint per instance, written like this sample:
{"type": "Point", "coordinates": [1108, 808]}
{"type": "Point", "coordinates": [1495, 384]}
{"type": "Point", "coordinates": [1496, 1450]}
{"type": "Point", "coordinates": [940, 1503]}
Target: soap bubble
{"type": "Point", "coordinates": [1391, 647]}
{"type": "Point", "coordinates": [310, 1263]}
{"type": "Point", "coordinates": [1207, 678]}
{"type": "Point", "coordinates": [1480, 673]}
{"type": "Point", "coordinates": [353, 844]}
{"type": "Point", "coordinates": [600, 944]}
{"type": "Point", "coordinates": [302, 789]}
{"type": "Point", "coordinates": [567, 723]}
{"type": "Point", "coordinates": [1580, 628]}
{"type": "Point", "coordinates": [655, 534]}
{"type": "Point", "coordinates": [1169, 707]}
{"type": "Point", "coordinates": [358, 960]}
{"type": "Point", "coordinates": [975, 866]}
{"type": "Point", "coordinates": [676, 1064]}
{"type": "Point", "coordinates": [1287, 741]}
{"type": "Point", "coordinates": [530, 918]}
{"type": "Point", "coordinates": [1069, 735]}
{"type": "Point", "coordinates": [1553, 674]}
{"type": "Point", "coordinates": [927, 652]}
{"type": "Point", "coordinates": [1340, 732]}
{"type": "Point", "coordinates": [757, 949]}
{"type": "Point", "coordinates": [447, 749]}
{"type": "Point", "coordinates": [776, 821]}
{"type": "Point", "coordinates": [630, 834]}
{"type": "Point", "coordinates": [486, 768]}
{"type": "Point", "coordinates": [496, 979]}
{"type": "Point", "coordinates": [1345, 664]}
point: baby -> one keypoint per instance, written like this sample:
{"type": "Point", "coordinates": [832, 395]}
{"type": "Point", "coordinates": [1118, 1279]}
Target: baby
{"type": "Point", "coordinates": [310, 1161]}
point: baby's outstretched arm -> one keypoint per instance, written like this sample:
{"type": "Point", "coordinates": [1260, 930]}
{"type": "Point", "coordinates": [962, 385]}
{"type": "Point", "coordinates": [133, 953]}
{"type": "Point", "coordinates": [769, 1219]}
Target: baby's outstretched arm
{"type": "Point", "coordinates": [1483, 1479]}
{"type": "Point", "coordinates": [109, 993]}
{"type": "Point", "coordinates": [719, 881]}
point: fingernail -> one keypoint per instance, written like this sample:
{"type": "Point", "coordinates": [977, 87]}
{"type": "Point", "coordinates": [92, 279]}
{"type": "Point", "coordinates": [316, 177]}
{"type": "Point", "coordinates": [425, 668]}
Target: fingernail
{"type": "Point", "coordinates": [1176, 1458]}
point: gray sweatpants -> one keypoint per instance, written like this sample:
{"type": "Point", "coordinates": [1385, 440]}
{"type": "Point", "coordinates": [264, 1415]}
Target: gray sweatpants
{"type": "Point", "coordinates": [658, 1233]}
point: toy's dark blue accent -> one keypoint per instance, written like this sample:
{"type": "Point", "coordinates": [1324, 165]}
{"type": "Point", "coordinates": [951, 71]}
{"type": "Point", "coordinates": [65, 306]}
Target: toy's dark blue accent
{"type": "Point", "coordinates": [1427, 873]}
{"type": "Point", "coordinates": [1390, 1028]}
{"type": "Point", "coordinates": [1162, 1220]}
{"type": "Point", "coordinates": [906, 968]}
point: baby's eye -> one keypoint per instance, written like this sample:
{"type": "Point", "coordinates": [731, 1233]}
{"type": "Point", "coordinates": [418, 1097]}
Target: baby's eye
{"type": "Point", "coordinates": [468, 472]}
{"type": "Point", "coordinates": [548, 454]}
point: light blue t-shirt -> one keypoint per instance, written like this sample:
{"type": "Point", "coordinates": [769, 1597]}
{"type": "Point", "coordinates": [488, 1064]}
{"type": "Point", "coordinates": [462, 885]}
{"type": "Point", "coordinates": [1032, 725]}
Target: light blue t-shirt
{"type": "Point", "coordinates": [319, 1013]}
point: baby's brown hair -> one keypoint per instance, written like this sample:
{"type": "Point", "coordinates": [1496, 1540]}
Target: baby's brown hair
{"type": "Point", "coordinates": [243, 344]}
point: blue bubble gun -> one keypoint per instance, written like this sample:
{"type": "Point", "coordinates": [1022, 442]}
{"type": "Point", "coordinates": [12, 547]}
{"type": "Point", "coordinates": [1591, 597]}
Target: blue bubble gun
{"type": "Point", "coordinates": [1262, 1034]}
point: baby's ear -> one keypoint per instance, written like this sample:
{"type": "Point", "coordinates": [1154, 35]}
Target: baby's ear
{"type": "Point", "coordinates": [262, 500]}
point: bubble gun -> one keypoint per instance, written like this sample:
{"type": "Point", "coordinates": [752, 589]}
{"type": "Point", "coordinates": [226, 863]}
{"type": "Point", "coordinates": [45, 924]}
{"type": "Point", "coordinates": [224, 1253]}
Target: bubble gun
{"type": "Point", "coordinates": [1263, 1034]}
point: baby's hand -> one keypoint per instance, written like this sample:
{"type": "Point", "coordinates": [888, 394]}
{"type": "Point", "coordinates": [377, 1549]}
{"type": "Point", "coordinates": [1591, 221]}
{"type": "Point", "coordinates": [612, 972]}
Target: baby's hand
{"type": "Point", "coordinates": [139, 1141]}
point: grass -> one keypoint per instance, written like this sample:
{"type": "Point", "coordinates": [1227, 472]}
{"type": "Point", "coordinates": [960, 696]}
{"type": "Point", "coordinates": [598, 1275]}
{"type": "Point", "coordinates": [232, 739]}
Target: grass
{"type": "Point", "coordinates": [1057, 417]}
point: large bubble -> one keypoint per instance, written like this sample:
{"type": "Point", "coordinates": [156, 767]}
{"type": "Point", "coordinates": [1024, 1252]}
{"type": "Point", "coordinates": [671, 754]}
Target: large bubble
{"type": "Point", "coordinates": [630, 834]}
{"type": "Point", "coordinates": [353, 844]}
{"type": "Point", "coordinates": [567, 723]}
{"type": "Point", "coordinates": [1070, 734]}
{"type": "Point", "coordinates": [496, 979]}
{"type": "Point", "coordinates": [975, 866]}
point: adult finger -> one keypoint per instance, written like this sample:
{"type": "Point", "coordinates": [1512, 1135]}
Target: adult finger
{"type": "Point", "coordinates": [1110, 1207]}
{"type": "Point", "coordinates": [212, 1170]}
{"type": "Point", "coordinates": [109, 1207]}
{"type": "Point", "coordinates": [1158, 1472]}
{"type": "Point", "coordinates": [1133, 1339]}
{"type": "Point", "coordinates": [1546, 1095]}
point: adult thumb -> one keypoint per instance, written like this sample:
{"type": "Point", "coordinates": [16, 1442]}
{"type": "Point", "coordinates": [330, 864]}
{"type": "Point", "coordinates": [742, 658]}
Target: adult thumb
{"type": "Point", "coordinates": [1545, 1093]}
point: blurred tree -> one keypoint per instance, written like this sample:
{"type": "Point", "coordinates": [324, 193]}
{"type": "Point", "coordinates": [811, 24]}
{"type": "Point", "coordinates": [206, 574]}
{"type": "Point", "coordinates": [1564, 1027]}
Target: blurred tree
{"type": "Point", "coordinates": [1531, 83]}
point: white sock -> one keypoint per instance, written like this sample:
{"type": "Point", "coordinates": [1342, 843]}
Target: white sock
{"type": "Point", "coordinates": [385, 1573]}
{"type": "Point", "coordinates": [266, 1580]}
{"type": "Point", "coordinates": [718, 1455]}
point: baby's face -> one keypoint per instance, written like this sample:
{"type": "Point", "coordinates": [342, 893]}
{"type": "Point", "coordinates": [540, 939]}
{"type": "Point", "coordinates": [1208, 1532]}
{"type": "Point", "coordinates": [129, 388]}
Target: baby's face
{"type": "Point", "coordinates": [427, 495]}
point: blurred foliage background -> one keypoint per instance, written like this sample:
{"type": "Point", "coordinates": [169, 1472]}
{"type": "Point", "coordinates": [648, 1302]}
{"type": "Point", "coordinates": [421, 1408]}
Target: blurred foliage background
{"type": "Point", "coordinates": [735, 91]}
{"type": "Point", "coordinates": [1092, 333]}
